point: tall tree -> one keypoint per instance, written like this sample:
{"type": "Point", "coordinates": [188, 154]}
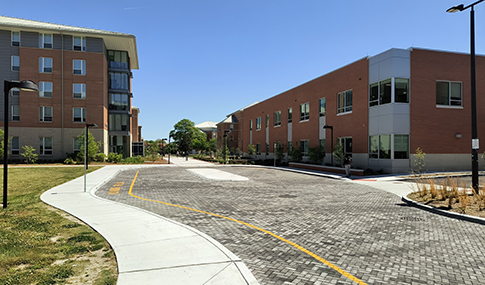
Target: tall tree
{"type": "Point", "coordinates": [184, 133]}
{"type": "Point", "coordinates": [93, 147]}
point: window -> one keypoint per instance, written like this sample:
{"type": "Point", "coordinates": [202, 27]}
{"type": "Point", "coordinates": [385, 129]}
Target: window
{"type": "Point", "coordinates": [76, 145]}
{"type": "Point", "coordinates": [277, 118]}
{"type": "Point", "coordinates": [45, 40]}
{"type": "Point", "coordinates": [118, 59]}
{"type": "Point", "coordinates": [290, 148]}
{"type": "Point", "coordinates": [45, 89]}
{"type": "Point", "coordinates": [15, 113]}
{"type": "Point", "coordinates": [385, 92]}
{"type": "Point", "coordinates": [258, 123]}
{"type": "Point", "coordinates": [79, 115]}
{"type": "Point", "coordinates": [373, 146]}
{"type": "Point", "coordinates": [344, 102]}
{"type": "Point", "coordinates": [322, 144]}
{"type": "Point", "coordinates": [346, 143]}
{"type": "Point", "coordinates": [290, 115]}
{"type": "Point", "coordinates": [385, 146]}
{"type": "Point", "coordinates": [258, 148]}
{"type": "Point", "coordinates": [45, 146]}
{"type": "Point", "coordinates": [118, 122]}
{"type": "Point", "coordinates": [119, 102]}
{"type": "Point", "coordinates": [79, 91]}
{"type": "Point", "coordinates": [15, 91]}
{"type": "Point", "coordinates": [45, 65]}
{"type": "Point", "coordinates": [15, 39]}
{"type": "Point", "coordinates": [15, 63]}
{"type": "Point", "coordinates": [118, 81]}
{"type": "Point", "coordinates": [267, 121]}
{"type": "Point", "coordinates": [448, 93]}
{"type": "Point", "coordinates": [401, 146]}
{"type": "Point", "coordinates": [250, 125]}
{"type": "Point", "coordinates": [15, 146]}
{"type": "Point", "coordinates": [79, 43]}
{"type": "Point", "coordinates": [304, 112]}
{"type": "Point", "coordinates": [45, 114]}
{"type": "Point", "coordinates": [401, 89]}
{"type": "Point", "coordinates": [374, 94]}
{"type": "Point", "coordinates": [322, 107]}
{"type": "Point", "coordinates": [79, 67]}
{"type": "Point", "coordinates": [267, 148]}
{"type": "Point", "coordinates": [304, 144]}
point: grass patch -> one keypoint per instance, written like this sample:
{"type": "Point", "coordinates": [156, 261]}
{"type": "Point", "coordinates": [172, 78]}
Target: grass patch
{"type": "Point", "coordinates": [41, 245]}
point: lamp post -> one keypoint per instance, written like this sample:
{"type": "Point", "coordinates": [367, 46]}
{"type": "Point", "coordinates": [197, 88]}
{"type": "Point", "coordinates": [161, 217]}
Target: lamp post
{"type": "Point", "coordinates": [163, 147]}
{"type": "Point", "coordinates": [86, 132]}
{"type": "Point", "coordinates": [225, 143]}
{"type": "Point", "coordinates": [25, 85]}
{"type": "Point", "coordinates": [331, 134]}
{"type": "Point", "coordinates": [475, 143]}
{"type": "Point", "coordinates": [170, 149]}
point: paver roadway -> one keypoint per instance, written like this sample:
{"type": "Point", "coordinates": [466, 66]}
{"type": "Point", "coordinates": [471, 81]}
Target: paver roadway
{"type": "Point", "coordinates": [363, 232]}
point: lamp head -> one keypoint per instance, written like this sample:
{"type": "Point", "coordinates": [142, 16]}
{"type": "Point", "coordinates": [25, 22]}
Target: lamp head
{"type": "Point", "coordinates": [28, 85]}
{"type": "Point", "coordinates": [455, 9]}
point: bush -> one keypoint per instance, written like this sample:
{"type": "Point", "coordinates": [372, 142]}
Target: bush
{"type": "Point", "coordinates": [296, 154]}
{"type": "Point", "coordinates": [114, 157]}
{"type": "Point", "coordinates": [133, 160]}
{"type": "Point", "coordinates": [69, 161]}
{"type": "Point", "coordinates": [28, 154]}
{"type": "Point", "coordinates": [316, 154]}
{"type": "Point", "coordinates": [100, 157]}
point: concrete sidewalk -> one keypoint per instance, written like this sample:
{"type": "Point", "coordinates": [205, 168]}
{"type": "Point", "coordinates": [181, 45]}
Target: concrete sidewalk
{"type": "Point", "coordinates": [149, 249]}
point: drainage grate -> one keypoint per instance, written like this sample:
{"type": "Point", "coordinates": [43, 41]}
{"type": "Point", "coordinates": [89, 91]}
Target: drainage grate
{"type": "Point", "coordinates": [287, 196]}
{"type": "Point", "coordinates": [413, 219]}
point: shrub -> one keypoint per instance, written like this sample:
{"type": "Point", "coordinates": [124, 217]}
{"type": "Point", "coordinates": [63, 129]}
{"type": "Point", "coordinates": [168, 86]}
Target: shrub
{"type": "Point", "coordinates": [100, 157]}
{"type": "Point", "coordinates": [133, 160]}
{"type": "Point", "coordinates": [114, 157]}
{"type": "Point", "coordinates": [316, 154]}
{"type": "Point", "coordinates": [296, 154]}
{"type": "Point", "coordinates": [419, 160]}
{"type": "Point", "coordinates": [28, 154]}
{"type": "Point", "coordinates": [69, 161]}
{"type": "Point", "coordinates": [338, 153]}
{"type": "Point", "coordinates": [251, 149]}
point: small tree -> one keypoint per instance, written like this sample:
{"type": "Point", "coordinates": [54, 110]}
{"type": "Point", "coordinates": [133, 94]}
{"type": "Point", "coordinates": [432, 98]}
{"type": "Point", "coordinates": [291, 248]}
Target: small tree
{"type": "Point", "coordinates": [1, 143]}
{"type": "Point", "coordinates": [338, 153]}
{"type": "Point", "coordinates": [251, 149]}
{"type": "Point", "coordinates": [296, 154]}
{"type": "Point", "coordinates": [316, 154]}
{"type": "Point", "coordinates": [93, 147]}
{"type": "Point", "coordinates": [212, 147]}
{"type": "Point", "coordinates": [280, 151]}
{"type": "Point", "coordinates": [419, 160]}
{"type": "Point", "coordinates": [28, 154]}
{"type": "Point", "coordinates": [153, 151]}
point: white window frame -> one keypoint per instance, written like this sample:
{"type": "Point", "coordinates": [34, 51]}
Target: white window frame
{"type": "Point", "coordinates": [306, 147]}
{"type": "Point", "coordinates": [324, 99]}
{"type": "Point", "coordinates": [81, 47]}
{"type": "Point", "coordinates": [277, 118]}
{"type": "Point", "coordinates": [15, 92]}
{"type": "Point", "coordinates": [42, 143]}
{"type": "Point", "coordinates": [13, 61]}
{"type": "Point", "coordinates": [346, 109]}
{"type": "Point", "coordinates": [306, 115]}
{"type": "Point", "coordinates": [258, 123]}
{"type": "Point", "coordinates": [15, 151]}
{"type": "Point", "coordinates": [449, 95]}
{"type": "Point", "coordinates": [83, 67]}
{"type": "Point", "coordinates": [80, 118]}
{"type": "Point", "coordinates": [75, 142]}
{"type": "Point", "coordinates": [43, 43]}
{"type": "Point", "coordinates": [42, 116]}
{"type": "Point", "coordinates": [15, 113]}
{"type": "Point", "coordinates": [43, 89]}
{"type": "Point", "coordinates": [18, 42]}
{"type": "Point", "coordinates": [43, 64]}
{"type": "Point", "coordinates": [83, 91]}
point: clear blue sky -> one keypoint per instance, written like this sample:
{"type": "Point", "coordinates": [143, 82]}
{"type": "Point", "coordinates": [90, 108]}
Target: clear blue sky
{"type": "Point", "coordinates": [204, 59]}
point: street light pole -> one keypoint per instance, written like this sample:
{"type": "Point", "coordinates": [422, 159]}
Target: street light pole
{"type": "Point", "coordinates": [25, 85]}
{"type": "Point", "coordinates": [274, 154]}
{"type": "Point", "coordinates": [331, 134]}
{"type": "Point", "coordinates": [475, 142]}
{"type": "Point", "coordinates": [86, 132]}
{"type": "Point", "coordinates": [170, 148]}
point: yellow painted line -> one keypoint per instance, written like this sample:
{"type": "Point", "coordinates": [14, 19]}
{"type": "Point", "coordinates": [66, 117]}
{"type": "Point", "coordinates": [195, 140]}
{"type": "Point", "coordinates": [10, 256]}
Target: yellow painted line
{"type": "Point", "coordinates": [328, 263]}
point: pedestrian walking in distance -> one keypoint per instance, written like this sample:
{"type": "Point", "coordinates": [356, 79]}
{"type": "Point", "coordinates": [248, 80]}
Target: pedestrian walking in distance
{"type": "Point", "coordinates": [347, 164]}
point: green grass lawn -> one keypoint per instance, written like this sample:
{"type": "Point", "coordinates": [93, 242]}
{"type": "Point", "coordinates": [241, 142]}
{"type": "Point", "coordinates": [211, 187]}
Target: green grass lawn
{"type": "Point", "coordinates": [42, 245]}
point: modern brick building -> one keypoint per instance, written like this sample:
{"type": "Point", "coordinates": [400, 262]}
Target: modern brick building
{"type": "Point", "coordinates": [382, 108]}
{"type": "Point", "coordinates": [84, 76]}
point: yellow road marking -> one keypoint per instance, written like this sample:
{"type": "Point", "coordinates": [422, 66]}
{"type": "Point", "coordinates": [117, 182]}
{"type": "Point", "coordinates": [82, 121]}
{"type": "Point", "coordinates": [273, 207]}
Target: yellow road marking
{"type": "Point", "coordinates": [328, 263]}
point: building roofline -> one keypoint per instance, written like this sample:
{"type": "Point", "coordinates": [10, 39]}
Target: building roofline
{"type": "Point", "coordinates": [113, 40]}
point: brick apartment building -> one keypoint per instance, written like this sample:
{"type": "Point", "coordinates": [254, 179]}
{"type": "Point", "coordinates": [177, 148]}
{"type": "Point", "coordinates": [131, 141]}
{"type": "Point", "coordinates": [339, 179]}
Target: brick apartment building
{"type": "Point", "coordinates": [382, 108]}
{"type": "Point", "coordinates": [84, 76]}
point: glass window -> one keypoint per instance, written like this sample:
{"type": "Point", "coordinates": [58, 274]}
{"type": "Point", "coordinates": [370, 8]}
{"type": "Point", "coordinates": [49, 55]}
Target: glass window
{"type": "Point", "coordinates": [15, 146]}
{"type": "Point", "coordinates": [385, 92]}
{"type": "Point", "coordinates": [258, 148]}
{"type": "Point", "coordinates": [45, 145]}
{"type": "Point", "coordinates": [15, 39]}
{"type": "Point", "coordinates": [346, 143]}
{"type": "Point", "coordinates": [374, 94]}
{"type": "Point", "coordinates": [79, 67]}
{"type": "Point", "coordinates": [344, 102]}
{"type": "Point", "coordinates": [267, 121]}
{"type": "Point", "coordinates": [45, 89]}
{"type": "Point", "coordinates": [45, 114]}
{"type": "Point", "coordinates": [289, 147]}
{"type": "Point", "coordinates": [258, 123]}
{"type": "Point", "coordinates": [277, 118]}
{"type": "Point", "coordinates": [118, 122]}
{"type": "Point", "coordinates": [79, 115]}
{"type": "Point", "coordinates": [401, 146]}
{"type": "Point", "coordinates": [305, 112]}
{"type": "Point", "coordinates": [45, 40]}
{"type": "Point", "coordinates": [15, 113]}
{"type": "Point", "coordinates": [250, 125]}
{"type": "Point", "coordinates": [267, 148]}
{"type": "Point", "coordinates": [385, 146]}
{"type": "Point", "coordinates": [448, 93]}
{"type": "Point", "coordinates": [79, 43]}
{"type": "Point", "coordinates": [15, 63]}
{"type": "Point", "coordinates": [304, 145]}
{"type": "Point", "coordinates": [79, 91]}
{"type": "Point", "coordinates": [322, 143]}
{"type": "Point", "coordinates": [401, 88]}
{"type": "Point", "coordinates": [322, 107]}
{"type": "Point", "coordinates": [290, 115]}
{"type": "Point", "coordinates": [15, 91]}
{"type": "Point", "coordinates": [119, 102]}
{"type": "Point", "coordinates": [118, 81]}
{"type": "Point", "coordinates": [45, 65]}
{"type": "Point", "coordinates": [76, 145]}
{"type": "Point", "coordinates": [373, 146]}
{"type": "Point", "coordinates": [118, 59]}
